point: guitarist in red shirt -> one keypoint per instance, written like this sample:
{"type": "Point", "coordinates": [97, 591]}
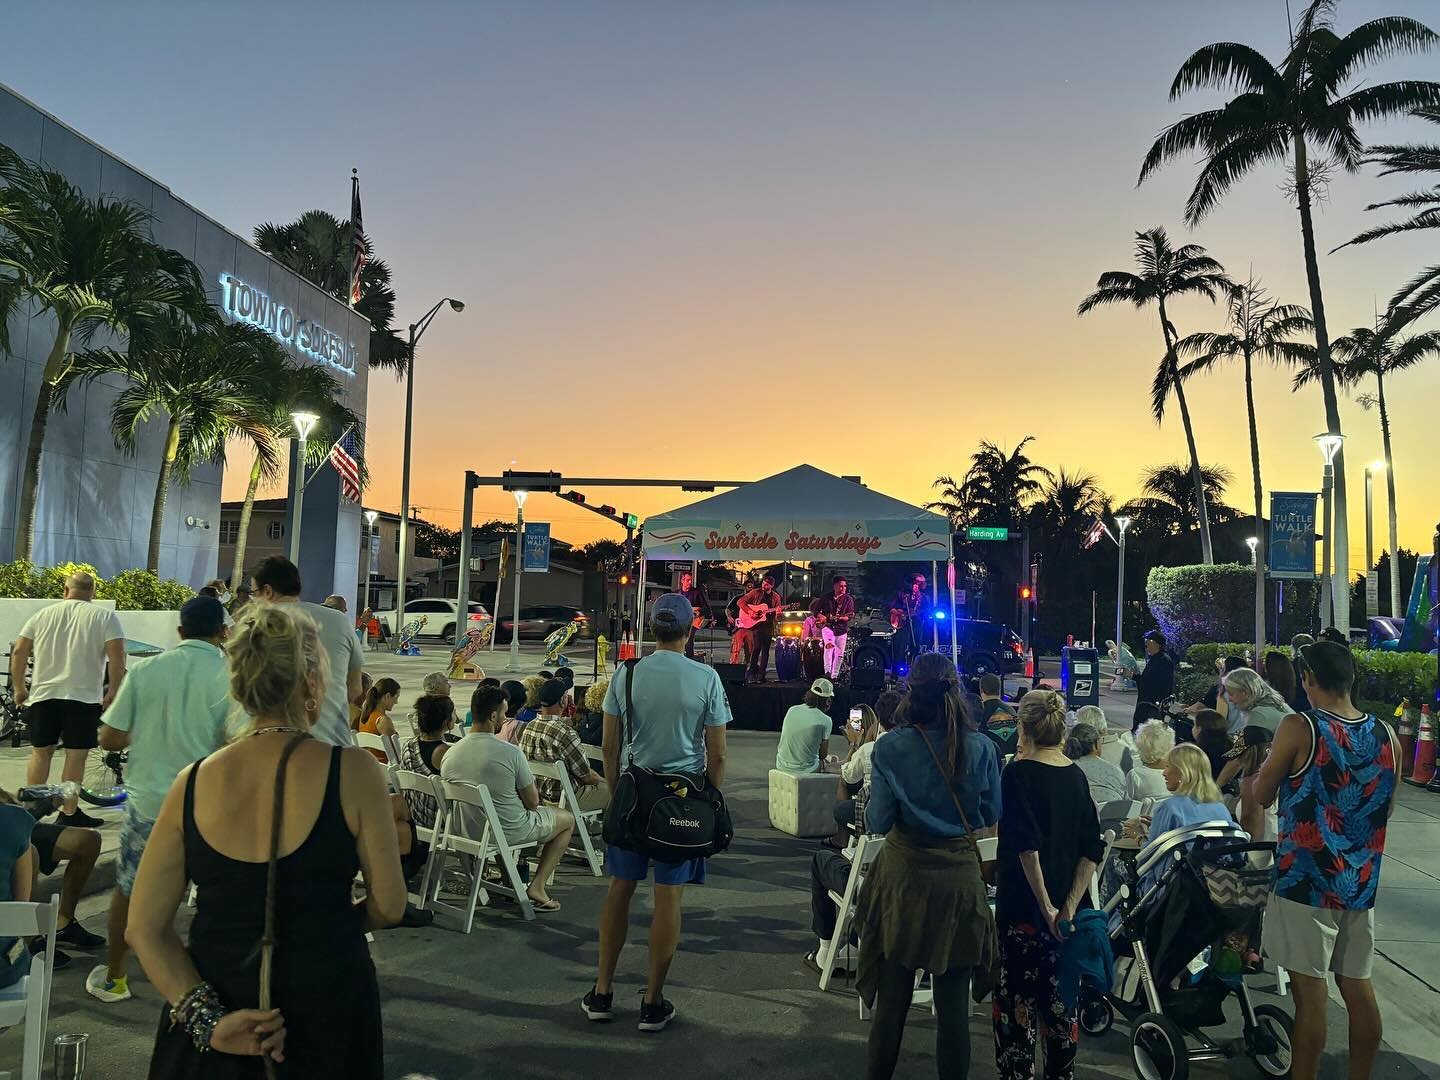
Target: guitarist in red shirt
{"type": "Point", "coordinates": [756, 623]}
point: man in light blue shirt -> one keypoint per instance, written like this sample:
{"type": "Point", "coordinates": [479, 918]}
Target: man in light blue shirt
{"type": "Point", "coordinates": [678, 725]}
{"type": "Point", "coordinates": [170, 712]}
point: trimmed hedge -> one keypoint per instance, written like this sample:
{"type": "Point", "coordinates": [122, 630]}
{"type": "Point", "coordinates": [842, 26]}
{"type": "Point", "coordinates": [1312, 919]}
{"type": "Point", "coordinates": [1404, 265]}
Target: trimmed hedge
{"type": "Point", "coordinates": [1383, 679]}
{"type": "Point", "coordinates": [132, 590]}
{"type": "Point", "coordinates": [1196, 604]}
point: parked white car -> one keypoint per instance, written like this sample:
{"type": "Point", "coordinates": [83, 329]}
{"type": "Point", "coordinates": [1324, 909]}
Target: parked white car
{"type": "Point", "coordinates": [440, 615]}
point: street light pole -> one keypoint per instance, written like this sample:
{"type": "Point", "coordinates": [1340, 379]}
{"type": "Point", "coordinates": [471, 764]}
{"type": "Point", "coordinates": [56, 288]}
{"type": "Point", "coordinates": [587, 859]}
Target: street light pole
{"type": "Point", "coordinates": [1123, 523]}
{"type": "Point", "coordinates": [416, 330]}
{"type": "Point", "coordinates": [370, 516]}
{"type": "Point", "coordinates": [1370, 539]}
{"type": "Point", "coordinates": [1329, 446]}
{"type": "Point", "coordinates": [519, 566]}
{"type": "Point", "coordinates": [304, 423]}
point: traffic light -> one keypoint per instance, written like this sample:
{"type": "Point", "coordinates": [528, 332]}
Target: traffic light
{"type": "Point", "coordinates": [624, 579]}
{"type": "Point", "coordinates": [606, 508]}
{"type": "Point", "coordinates": [1026, 592]}
{"type": "Point", "coordinates": [573, 496]}
{"type": "Point", "coordinates": [632, 521]}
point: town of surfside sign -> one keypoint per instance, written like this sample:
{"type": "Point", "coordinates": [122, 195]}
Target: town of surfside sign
{"type": "Point", "coordinates": [245, 303]}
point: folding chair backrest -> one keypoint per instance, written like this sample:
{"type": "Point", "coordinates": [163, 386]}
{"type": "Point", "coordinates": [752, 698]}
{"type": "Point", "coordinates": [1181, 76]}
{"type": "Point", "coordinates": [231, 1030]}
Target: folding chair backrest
{"type": "Point", "coordinates": [392, 748]}
{"type": "Point", "coordinates": [370, 742]}
{"type": "Point", "coordinates": [31, 1002]}
{"type": "Point", "coordinates": [594, 753]}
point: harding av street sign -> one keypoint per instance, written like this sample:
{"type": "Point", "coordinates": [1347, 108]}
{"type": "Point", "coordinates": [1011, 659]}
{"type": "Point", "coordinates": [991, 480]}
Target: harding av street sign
{"type": "Point", "coordinates": [987, 532]}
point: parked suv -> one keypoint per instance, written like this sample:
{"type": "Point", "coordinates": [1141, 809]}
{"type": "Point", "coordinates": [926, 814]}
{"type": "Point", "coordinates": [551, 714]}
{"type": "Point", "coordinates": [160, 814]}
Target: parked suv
{"type": "Point", "coordinates": [439, 615]}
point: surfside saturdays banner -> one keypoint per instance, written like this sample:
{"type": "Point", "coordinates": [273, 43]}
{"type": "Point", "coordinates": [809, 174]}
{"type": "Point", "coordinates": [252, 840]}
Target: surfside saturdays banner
{"type": "Point", "coordinates": [863, 541]}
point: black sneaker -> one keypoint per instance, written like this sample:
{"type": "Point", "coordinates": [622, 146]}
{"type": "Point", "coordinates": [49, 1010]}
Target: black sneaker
{"type": "Point", "coordinates": [77, 937]}
{"type": "Point", "coordinates": [598, 1007]}
{"type": "Point", "coordinates": [78, 820]}
{"type": "Point", "coordinates": [656, 1015]}
{"type": "Point", "coordinates": [37, 948]}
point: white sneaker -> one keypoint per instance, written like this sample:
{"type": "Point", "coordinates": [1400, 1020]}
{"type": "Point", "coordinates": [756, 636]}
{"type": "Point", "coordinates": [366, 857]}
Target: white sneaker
{"type": "Point", "coordinates": [99, 985]}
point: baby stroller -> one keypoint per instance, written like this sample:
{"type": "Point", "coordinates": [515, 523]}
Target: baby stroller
{"type": "Point", "coordinates": [1190, 890]}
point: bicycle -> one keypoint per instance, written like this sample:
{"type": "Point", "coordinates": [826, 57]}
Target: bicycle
{"type": "Point", "coordinates": [104, 782]}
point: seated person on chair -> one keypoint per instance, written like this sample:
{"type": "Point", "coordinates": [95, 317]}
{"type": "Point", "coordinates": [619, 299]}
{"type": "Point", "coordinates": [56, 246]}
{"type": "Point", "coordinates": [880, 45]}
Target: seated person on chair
{"type": "Point", "coordinates": [1154, 741]}
{"type": "Point", "coordinates": [1195, 799]}
{"type": "Point", "coordinates": [550, 738]}
{"type": "Point", "coordinates": [855, 772]}
{"type": "Point", "coordinates": [805, 732]}
{"type": "Point", "coordinates": [1107, 782]}
{"type": "Point", "coordinates": [482, 758]}
{"type": "Point", "coordinates": [79, 849]}
{"type": "Point", "coordinates": [17, 876]}
{"type": "Point", "coordinates": [433, 717]}
{"type": "Point", "coordinates": [997, 718]}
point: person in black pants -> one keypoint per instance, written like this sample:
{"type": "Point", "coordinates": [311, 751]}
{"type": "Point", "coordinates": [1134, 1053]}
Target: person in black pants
{"type": "Point", "coordinates": [1155, 683]}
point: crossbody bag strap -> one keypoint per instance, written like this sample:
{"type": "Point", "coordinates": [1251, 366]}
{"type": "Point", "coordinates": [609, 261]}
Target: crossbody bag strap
{"type": "Point", "coordinates": [950, 787]}
{"type": "Point", "coordinates": [272, 881]}
{"type": "Point", "coordinates": [630, 706]}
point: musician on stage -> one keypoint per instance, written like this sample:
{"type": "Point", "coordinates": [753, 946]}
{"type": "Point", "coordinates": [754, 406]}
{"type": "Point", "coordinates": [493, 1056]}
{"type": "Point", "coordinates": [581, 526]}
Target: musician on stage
{"type": "Point", "coordinates": [703, 615]}
{"type": "Point", "coordinates": [909, 612]}
{"type": "Point", "coordinates": [830, 621]}
{"type": "Point", "coordinates": [756, 626]}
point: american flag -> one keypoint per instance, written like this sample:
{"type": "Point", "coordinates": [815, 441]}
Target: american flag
{"type": "Point", "coordinates": [357, 232]}
{"type": "Point", "coordinates": [342, 456]}
{"type": "Point", "coordinates": [1097, 529]}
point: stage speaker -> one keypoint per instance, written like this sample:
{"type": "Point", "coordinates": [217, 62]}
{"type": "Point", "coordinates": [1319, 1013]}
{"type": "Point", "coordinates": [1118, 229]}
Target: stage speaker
{"type": "Point", "coordinates": [730, 673]}
{"type": "Point", "coordinates": [867, 667]}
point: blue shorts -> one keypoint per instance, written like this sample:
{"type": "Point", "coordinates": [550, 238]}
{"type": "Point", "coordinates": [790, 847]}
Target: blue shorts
{"type": "Point", "coordinates": [632, 866]}
{"type": "Point", "coordinates": [134, 834]}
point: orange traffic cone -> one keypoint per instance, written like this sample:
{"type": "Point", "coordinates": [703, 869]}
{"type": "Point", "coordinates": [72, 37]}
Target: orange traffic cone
{"type": "Point", "coordinates": [1029, 663]}
{"type": "Point", "coordinates": [1405, 729]}
{"type": "Point", "coordinates": [1424, 769]}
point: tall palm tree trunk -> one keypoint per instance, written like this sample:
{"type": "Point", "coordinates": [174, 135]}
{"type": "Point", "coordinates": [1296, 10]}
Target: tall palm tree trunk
{"type": "Point", "coordinates": [1259, 496]}
{"type": "Point", "coordinates": [29, 495]}
{"type": "Point", "coordinates": [247, 508]}
{"type": "Point", "coordinates": [1207, 554]}
{"type": "Point", "coordinates": [1397, 609]}
{"type": "Point", "coordinates": [1340, 526]}
{"type": "Point", "coordinates": [162, 495]}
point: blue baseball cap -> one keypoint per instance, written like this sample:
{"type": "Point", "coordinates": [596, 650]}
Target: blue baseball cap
{"type": "Point", "coordinates": [671, 612]}
{"type": "Point", "coordinates": [202, 617]}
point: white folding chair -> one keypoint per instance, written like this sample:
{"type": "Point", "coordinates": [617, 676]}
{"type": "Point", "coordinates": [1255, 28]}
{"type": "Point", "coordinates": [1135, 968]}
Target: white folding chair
{"type": "Point", "coordinates": [391, 746]}
{"type": "Point", "coordinates": [595, 753]}
{"type": "Point", "coordinates": [371, 742]}
{"type": "Point", "coordinates": [860, 856]}
{"type": "Point", "coordinates": [557, 771]}
{"type": "Point", "coordinates": [476, 854]}
{"type": "Point", "coordinates": [414, 783]}
{"type": "Point", "coordinates": [29, 999]}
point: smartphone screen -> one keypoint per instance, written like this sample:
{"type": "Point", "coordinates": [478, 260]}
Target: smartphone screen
{"type": "Point", "coordinates": [855, 717]}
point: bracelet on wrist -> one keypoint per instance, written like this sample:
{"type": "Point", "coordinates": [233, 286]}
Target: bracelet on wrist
{"type": "Point", "coordinates": [198, 1012]}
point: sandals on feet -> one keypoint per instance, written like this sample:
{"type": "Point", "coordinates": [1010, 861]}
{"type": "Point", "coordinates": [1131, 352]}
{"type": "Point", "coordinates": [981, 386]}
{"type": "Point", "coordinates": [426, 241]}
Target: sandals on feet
{"type": "Point", "coordinates": [545, 905]}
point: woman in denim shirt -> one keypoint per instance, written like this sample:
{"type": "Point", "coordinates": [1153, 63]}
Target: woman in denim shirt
{"type": "Point", "coordinates": [933, 779]}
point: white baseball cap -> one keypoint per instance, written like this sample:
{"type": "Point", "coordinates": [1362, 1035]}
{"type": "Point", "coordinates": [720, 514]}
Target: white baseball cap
{"type": "Point", "coordinates": [823, 688]}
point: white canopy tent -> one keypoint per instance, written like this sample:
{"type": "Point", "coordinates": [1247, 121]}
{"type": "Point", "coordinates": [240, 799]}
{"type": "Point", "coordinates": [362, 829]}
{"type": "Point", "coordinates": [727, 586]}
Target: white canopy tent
{"type": "Point", "coordinates": [800, 515]}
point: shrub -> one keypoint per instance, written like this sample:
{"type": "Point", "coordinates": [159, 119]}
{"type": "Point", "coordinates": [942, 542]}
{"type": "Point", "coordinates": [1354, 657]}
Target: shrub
{"type": "Point", "coordinates": [1201, 604]}
{"type": "Point", "coordinates": [132, 590]}
{"type": "Point", "coordinates": [142, 590]}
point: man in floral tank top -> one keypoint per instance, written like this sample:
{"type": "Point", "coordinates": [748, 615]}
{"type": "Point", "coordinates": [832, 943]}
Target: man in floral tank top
{"type": "Point", "coordinates": [1334, 772]}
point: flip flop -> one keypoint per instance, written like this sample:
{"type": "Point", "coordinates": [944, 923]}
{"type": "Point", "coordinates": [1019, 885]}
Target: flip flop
{"type": "Point", "coordinates": [812, 961]}
{"type": "Point", "coordinates": [545, 905]}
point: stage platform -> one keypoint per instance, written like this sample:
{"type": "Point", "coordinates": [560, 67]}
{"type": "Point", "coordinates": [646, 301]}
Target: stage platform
{"type": "Point", "coordinates": [763, 707]}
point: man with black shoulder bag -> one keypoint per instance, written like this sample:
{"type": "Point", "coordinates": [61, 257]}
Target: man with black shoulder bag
{"type": "Point", "coordinates": [664, 747]}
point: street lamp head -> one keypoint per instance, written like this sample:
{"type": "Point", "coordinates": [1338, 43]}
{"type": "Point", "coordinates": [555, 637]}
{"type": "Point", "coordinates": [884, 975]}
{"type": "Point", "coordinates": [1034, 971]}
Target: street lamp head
{"type": "Point", "coordinates": [370, 516]}
{"type": "Point", "coordinates": [1329, 444]}
{"type": "Point", "coordinates": [1123, 522]}
{"type": "Point", "coordinates": [1376, 466]}
{"type": "Point", "coordinates": [304, 423]}
{"type": "Point", "coordinates": [1252, 542]}
{"type": "Point", "coordinates": [520, 496]}
{"type": "Point", "coordinates": [456, 305]}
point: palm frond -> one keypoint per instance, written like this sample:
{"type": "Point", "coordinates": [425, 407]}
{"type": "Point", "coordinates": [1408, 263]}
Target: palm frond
{"type": "Point", "coordinates": [1226, 65]}
{"type": "Point", "coordinates": [1231, 162]}
{"type": "Point", "coordinates": [1370, 43]}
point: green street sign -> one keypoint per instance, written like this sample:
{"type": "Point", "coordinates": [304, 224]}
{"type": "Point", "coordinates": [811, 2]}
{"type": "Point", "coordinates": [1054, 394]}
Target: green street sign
{"type": "Point", "coordinates": [987, 532]}
{"type": "Point", "coordinates": [632, 521]}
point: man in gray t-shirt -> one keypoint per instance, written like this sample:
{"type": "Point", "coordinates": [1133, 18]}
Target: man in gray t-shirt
{"type": "Point", "coordinates": [277, 581]}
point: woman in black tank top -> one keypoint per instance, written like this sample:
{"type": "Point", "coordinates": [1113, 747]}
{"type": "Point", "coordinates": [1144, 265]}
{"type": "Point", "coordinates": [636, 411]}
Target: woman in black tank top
{"type": "Point", "coordinates": [285, 895]}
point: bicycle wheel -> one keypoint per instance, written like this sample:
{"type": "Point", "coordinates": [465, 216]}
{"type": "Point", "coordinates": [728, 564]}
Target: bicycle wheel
{"type": "Point", "coordinates": [104, 782]}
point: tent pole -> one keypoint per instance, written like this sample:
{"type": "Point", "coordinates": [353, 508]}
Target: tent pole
{"type": "Point", "coordinates": [640, 608]}
{"type": "Point", "coordinates": [954, 631]}
{"type": "Point", "coordinates": [934, 602]}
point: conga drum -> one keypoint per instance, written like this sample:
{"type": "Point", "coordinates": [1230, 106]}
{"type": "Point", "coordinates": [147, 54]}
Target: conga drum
{"type": "Point", "coordinates": [812, 658]}
{"type": "Point", "coordinates": [787, 659]}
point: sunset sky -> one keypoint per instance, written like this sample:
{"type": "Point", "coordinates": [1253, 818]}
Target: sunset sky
{"type": "Point", "coordinates": [720, 239]}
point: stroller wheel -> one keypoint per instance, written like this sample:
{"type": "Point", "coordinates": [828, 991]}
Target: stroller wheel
{"type": "Point", "coordinates": [1269, 1040]}
{"type": "Point", "coordinates": [1096, 1016]}
{"type": "Point", "coordinates": [1158, 1048]}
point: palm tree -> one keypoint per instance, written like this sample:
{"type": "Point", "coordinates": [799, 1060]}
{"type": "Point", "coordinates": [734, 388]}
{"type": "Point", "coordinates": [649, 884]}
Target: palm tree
{"type": "Point", "coordinates": [1278, 114]}
{"type": "Point", "coordinates": [1381, 353]}
{"type": "Point", "coordinates": [317, 246]}
{"type": "Point", "coordinates": [89, 264]}
{"type": "Point", "coordinates": [1167, 272]}
{"type": "Point", "coordinates": [996, 489]}
{"type": "Point", "coordinates": [1259, 329]}
{"type": "Point", "coordinates": [1068, 506]}
{"type": "Point", "coordinates": [1422, 293]}
{"type": "Point", "coordinates": [1167, 507]}
{"type": "Point", "coordinates": [290, 388]}
{"type": "Point", "coordinates": [206, 379]}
